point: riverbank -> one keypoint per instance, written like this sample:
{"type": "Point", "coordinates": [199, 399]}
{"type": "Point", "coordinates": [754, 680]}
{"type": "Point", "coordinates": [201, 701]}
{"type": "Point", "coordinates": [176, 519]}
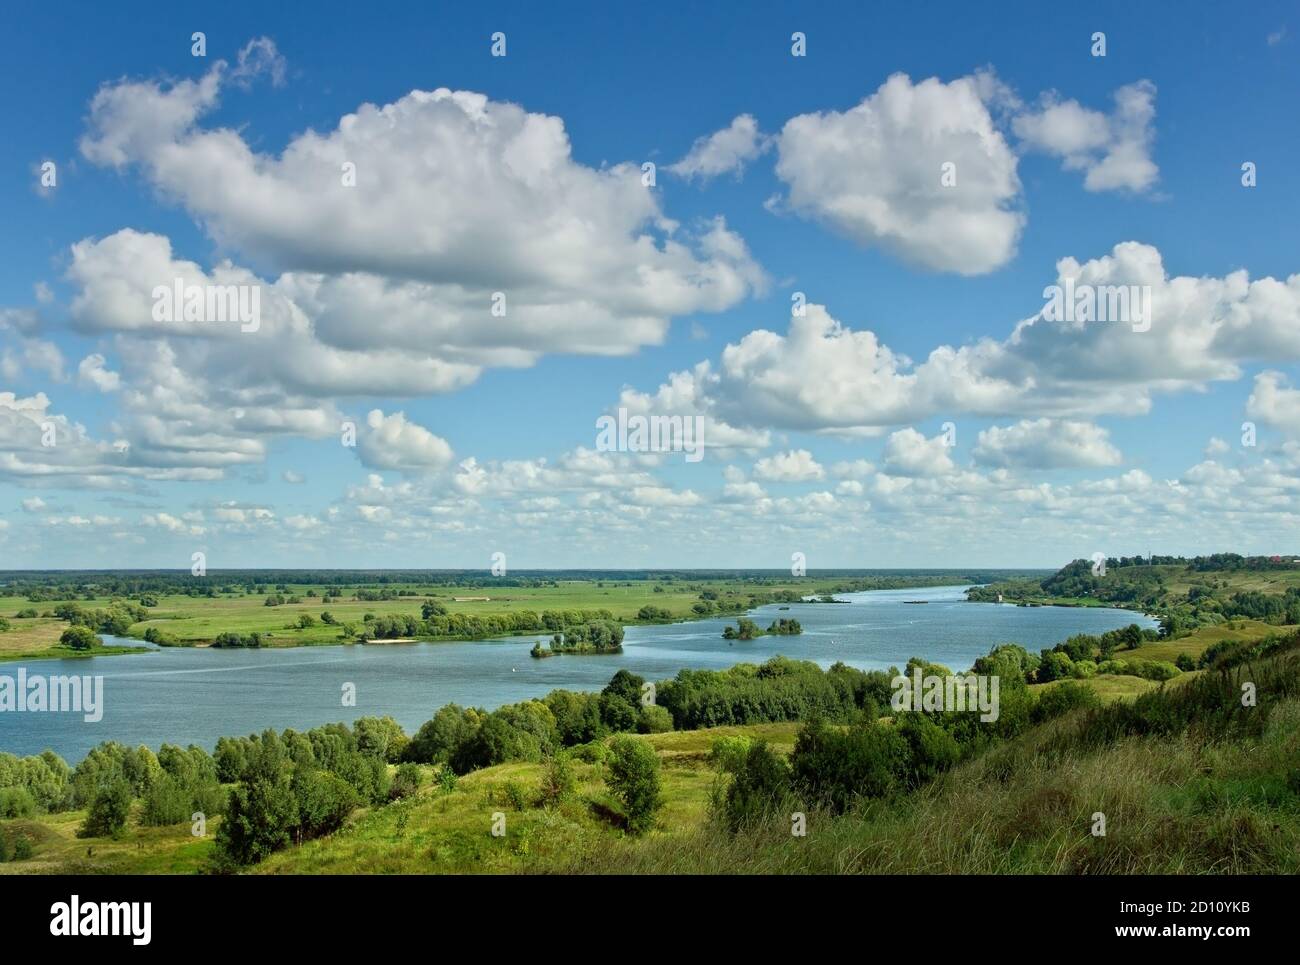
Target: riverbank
{"type": "Point", "coordinates": [290, 615]}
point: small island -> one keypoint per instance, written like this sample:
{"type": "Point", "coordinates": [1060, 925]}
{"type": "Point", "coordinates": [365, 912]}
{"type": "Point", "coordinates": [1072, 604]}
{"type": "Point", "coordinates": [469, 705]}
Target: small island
{"type": "Point", "coordinates": [583, 638]}
{"type": "Point", "coordinates": [746, 629]}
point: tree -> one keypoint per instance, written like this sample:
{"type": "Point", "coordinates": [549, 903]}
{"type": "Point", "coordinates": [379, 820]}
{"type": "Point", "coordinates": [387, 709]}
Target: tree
{"type": "Point", "coordinates": [260, 817]}
{"type": "Point", "coordinates": [633, 777]}
{"type": "Point", "coordinates": [760, 788]}
{"type": "Point", "coordinates": [80, 638]}
{"type": "Point", "coordinates": [108, 811]}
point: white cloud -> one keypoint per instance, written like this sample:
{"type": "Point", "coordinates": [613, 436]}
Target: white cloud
{"type": "Point", "coordinates": [823, 376]}
{"type": "Point", "coordinates": [456, 197]}
{"type": "Point", "coordinates": [33, 505]}
{"type": "Point", "coordinates": [909, 453]}
{"type": "Point", "coordinates": [1046, 444]}
{"type": "Point", "coordinates": [1114, 151]}
{"type": "Point", "coordinates": [173, 525]}
{"type": "Point", "coordinates": [725, 151]}
{"type": "Point", "coordinates": [1274, 403]}
{"type": "Point", "coordinates": [93, 373]}
{"type": "Point", "coordinates": [797, 465]}
{"type": "Point", "coordinates": [874, 173]}
{"type": "Point", "coordinates": [392, 442]}
{"type": "Point", "coordinates": [295, 478]}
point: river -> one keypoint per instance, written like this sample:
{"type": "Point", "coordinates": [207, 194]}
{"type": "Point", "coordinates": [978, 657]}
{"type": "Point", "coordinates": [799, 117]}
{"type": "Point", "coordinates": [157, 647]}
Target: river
{"type": "Point", "coordinates": [182, 696]}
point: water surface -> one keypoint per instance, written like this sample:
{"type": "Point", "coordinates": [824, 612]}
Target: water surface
{"type": "Point", "coordinates": [183, 696]}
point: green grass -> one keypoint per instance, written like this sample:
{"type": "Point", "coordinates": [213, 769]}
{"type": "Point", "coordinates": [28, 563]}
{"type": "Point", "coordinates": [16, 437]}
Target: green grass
{"type": "Point", "coordinates": [139, 851]}
{"type": "Point", "coordinates": [198, 620]}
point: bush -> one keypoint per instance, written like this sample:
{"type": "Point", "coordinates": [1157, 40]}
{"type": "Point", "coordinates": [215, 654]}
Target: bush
{"type": "Point", "coordinates": [1184, 662]}
{"type": "Point", "coordinates": [633, 777]}
{"type": "Point", "coordinates": [405, 782]}
{"type": "Point", "coordinates": [1055, 665]}
{"type": "Point", "coordinates": [837, 767]}
{"type": "Point", "coordinates": [932, 749]}
{"type": "Point", "coordinates": [654, 720]}
{"type": "Point", "coordinates": [728, 753]}
{"type": "Point", "coordinates": [16, 802]}
{"type": "Point", "coordinates": [760, 789]}
{"type": "Point", "coordinates": [514, 795]}
{"type": "Point", "coordinates": [108, 811]}
{"type": "Point", "coordinates": [593, 752]}
{"type": "Point", "coordinates": [1083, 669]}
{"type": "Point", "coordinates": [79, 638]}
{"type": "Point", "coordinates": [1061, 699]}
{"type": "Point", "coordinates": [557, 779]}
{"type": "Point", "coordinates": [324, 801]}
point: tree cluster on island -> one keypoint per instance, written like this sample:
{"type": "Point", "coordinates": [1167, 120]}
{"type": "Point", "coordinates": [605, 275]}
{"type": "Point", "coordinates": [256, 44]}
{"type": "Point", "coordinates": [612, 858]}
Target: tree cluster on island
{"type": "Point", "coordinates": [747, 629]}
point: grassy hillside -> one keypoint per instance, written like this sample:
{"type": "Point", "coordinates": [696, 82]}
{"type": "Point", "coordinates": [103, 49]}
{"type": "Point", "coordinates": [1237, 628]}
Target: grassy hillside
{"type": "Point", "coordinates": [1188, 781]}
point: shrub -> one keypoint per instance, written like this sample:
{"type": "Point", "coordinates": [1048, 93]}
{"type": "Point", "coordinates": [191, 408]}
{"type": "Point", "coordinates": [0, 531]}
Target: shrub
{"type": "Point", "coordinates": [108, 811]}
{"type": "Point", "coordinates": [633, 777]}
{"type": "Point", "coordinates": [1083, 669]}
{"type": "Point", "coordinates": [1184, 662]}
{"type": "Point", "coordinates": [932, 749]}
{"type": "Point", "coordinates": [79, 638]}
{"type": "Point", "coordinates": [728, 753]}
{"type": "Point", "coordinates": [324, 801]}
{"type": "Point", "coordinates": [16, 802]}
{"type": "Point", "coordinates": [760, 788]}
{"type": "Point", "coordinates": [593, 752]}
{"type": "Point", "coordinates": [1055, 665]}
{"type": "Point", "coordinates": [514, 794]}
{"type": "Point", "coordinates": [1061, 699]}
{"type": "Point", "coordinates": [405, 782]}
{"type": "Point", "coordinates": [654, 720]}
{"type": "Point", "coordinates": [557, 779]}
{"type": "Point", "coordinates": [836, 767]}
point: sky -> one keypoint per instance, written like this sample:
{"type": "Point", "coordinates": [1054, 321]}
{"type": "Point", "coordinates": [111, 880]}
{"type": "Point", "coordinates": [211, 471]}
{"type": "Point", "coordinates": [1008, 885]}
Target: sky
{"type": "Point", "coordinates": [829, 238]}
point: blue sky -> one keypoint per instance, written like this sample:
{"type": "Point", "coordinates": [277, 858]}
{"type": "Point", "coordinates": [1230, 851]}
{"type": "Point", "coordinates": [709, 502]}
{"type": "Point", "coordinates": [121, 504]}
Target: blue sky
{"type": "Point", "coordinates": [1094, 440]}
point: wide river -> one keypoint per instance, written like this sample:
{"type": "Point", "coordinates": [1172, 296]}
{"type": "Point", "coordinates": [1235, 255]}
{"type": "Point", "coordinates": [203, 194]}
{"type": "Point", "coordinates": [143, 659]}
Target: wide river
{"type": "Point", "coordinates": [183, 696]}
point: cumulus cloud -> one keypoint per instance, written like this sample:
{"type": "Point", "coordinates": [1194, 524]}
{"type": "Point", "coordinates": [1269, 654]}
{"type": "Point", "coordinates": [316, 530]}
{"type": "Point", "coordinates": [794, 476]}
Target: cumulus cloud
{"type": "Point", "coordinates": [94, 373]}
{"type": "Point", "coordinates": [1274, 403]}
{"type": "Point", "coordinates": [1046, 444]}
{"type": "Point", "coordinates": [469, 238]}
{"type": "Point", "coordinates": [909, 453]}
{"type": "Point", "coordinates": [456, 197]}
{"type": "Point", "coordinates": [723, 152]}
{"type": "Point", "coordinates": [797, 465]}
{"type": "Point", "coordinates": [821, 375]}
{"type": "Point", "coordinates": [873, 172]}
{"type": "Point", "coordinates": [393, 442]}
{"type": "Point", "coordinates": [1113, 151]}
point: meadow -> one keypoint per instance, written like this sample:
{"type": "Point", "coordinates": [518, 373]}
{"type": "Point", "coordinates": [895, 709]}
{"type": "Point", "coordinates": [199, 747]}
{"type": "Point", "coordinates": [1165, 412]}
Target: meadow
{"type": "Point", "coordinates": [195, 620]}
{"type": "Point", "coordinates": [1180, 802]}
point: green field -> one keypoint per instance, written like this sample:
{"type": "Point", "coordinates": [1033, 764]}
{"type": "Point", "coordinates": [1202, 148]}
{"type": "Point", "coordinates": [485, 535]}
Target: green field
{"type": "Point", "coordinates": [197, 620]}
